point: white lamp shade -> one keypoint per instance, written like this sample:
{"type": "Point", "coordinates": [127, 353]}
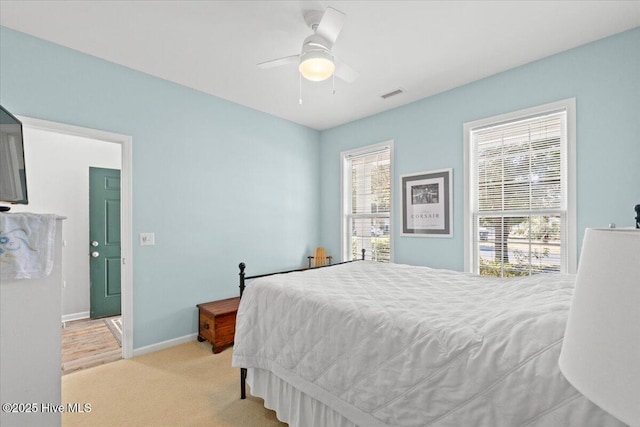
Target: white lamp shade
{"type": "Point", "coordinates": [316, 65]}
{"type": "Point", "coordinates": [601, 350]}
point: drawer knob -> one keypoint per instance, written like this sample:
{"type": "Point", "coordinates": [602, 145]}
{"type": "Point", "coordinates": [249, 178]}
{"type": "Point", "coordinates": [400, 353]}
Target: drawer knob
{"type": "Point", "coordinates": [206, 324]}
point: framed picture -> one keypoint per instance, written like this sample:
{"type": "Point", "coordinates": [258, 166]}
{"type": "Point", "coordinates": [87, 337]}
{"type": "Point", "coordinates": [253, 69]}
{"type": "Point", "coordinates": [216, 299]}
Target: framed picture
{"type": "Point", "coordinates": [427, 203]}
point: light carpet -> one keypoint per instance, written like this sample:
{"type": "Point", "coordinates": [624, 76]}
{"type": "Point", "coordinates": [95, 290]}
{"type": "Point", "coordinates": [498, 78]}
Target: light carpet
{"type": "Point", "coordinates": [185, 385]}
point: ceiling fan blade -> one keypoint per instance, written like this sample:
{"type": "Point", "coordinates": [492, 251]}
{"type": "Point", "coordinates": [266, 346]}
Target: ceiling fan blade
{"type": "Point", "coordinates": [278, 62]}
{"type": "Point", "coordinates": [345, 72]}
{"type": "Point", "coordinates": [330, 25]}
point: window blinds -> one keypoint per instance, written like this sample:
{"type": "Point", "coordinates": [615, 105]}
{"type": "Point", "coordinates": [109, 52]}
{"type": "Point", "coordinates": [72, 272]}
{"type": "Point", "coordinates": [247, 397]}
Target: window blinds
{"type": "Point", "coordinates": [519, 165]}
{"type": "Point", "coordinates": [370, 183]}
{"type": "Point", "coordinates": [368, 216]}
{"type": "Point", "coordinates": [520, 194]}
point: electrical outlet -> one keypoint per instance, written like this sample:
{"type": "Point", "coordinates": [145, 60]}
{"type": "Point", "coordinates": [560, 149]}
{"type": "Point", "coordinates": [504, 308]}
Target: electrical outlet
{"type": "Point", "coordinates": [147, 239]}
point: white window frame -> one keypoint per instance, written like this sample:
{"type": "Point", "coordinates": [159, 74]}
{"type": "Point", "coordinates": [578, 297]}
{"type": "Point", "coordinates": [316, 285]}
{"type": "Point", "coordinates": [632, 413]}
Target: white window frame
{"type": "Point", "coordinates": [569, 238]}
{"type": "Point", "coordinates": [345, 197]}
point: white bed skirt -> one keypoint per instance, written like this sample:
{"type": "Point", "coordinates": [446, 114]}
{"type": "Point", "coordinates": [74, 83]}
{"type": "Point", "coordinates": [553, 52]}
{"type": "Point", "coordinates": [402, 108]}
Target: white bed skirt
{"type": "Point", "coordinates": [290, 404]}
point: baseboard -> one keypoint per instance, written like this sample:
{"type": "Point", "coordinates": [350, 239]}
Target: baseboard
{"type": "Point", "coordinates": [75, 316]}
{"type": "Point", "coordinates": [164, 344]}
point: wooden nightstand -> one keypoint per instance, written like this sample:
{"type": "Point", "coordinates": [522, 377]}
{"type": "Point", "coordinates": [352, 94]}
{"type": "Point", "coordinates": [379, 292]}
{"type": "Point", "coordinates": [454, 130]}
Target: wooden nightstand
{"type": "Point", "coordinates": [217, 322]}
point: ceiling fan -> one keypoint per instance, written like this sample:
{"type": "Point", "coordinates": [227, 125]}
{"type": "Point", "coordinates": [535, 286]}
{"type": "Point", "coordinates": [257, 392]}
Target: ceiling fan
{"type": "Point", "coordinates": [316, 61]}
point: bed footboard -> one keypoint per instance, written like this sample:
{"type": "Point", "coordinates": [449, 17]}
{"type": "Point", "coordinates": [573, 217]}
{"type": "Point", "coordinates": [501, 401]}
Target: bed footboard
{"type": "Point", "coordinates": [242, 266]}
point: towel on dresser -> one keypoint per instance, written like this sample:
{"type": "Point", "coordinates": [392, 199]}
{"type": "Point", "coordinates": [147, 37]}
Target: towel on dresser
{"type": "Point", "coordinates": [26, 245]}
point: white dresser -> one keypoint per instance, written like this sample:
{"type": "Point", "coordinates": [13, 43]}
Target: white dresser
{"type": "Point", "coordinates": [30, 365]}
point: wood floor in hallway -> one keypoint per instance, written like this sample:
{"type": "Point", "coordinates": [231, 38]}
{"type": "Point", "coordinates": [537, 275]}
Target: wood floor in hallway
{"type": "Point", "coordinates": [87, 343]}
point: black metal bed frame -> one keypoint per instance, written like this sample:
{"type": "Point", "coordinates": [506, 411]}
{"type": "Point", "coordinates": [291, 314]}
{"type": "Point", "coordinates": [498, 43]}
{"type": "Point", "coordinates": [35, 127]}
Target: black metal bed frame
{"type": "Point", "coordinates": [242, 266]}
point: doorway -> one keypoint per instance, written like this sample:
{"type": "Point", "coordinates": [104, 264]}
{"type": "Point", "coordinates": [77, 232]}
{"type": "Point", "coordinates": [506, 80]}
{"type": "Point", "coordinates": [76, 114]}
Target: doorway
{"type": "Point", "coordinates": [123, 143]}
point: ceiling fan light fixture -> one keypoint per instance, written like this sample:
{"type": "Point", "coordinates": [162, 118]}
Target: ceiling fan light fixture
{"type": "Point", "coordinates": [316, 65]}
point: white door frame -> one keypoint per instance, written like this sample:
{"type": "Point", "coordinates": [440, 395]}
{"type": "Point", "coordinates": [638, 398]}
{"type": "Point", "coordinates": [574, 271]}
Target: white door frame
{"type": "Point", "coordinates": [126, 231]}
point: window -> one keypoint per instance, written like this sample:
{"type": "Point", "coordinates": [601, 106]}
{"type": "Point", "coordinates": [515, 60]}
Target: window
{"type": "Point", "coordinates": [520, 217]}
{"type": "Point", "coordinates": [366, 202]}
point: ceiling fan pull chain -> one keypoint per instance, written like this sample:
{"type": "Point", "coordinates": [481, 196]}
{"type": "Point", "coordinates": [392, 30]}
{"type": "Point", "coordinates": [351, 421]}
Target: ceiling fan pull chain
{"type": "Point", "coordinates": [300, 87]}
{"type": "Point", "coordinates": [334, 83]}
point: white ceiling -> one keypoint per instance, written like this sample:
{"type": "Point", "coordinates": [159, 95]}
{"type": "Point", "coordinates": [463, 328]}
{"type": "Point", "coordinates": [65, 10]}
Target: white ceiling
{"type": "Point", "coordinates": [423, 47]}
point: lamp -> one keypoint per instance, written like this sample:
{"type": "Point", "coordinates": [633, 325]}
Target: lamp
{"type": "Point", "coordinates": [316, 60]}
{"type": "Point", "coordinates": [316, 65]}
{"type": "Point", "coordinates": [601, 350]}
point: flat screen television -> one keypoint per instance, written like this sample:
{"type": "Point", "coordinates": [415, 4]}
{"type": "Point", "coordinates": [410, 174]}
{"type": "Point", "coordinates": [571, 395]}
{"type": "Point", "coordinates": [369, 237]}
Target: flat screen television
{"type": "Point", "coordinates": [13, 178]}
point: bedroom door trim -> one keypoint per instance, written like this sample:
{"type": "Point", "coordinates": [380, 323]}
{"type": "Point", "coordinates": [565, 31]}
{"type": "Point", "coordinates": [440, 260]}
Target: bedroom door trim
{"type": "Point", "coordinates": [126, 221]}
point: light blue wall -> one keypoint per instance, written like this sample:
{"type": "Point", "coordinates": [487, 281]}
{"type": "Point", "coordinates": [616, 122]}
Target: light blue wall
{"type": "Point", "coordinates": [603, 76]}
{"type": "Point", "coordinates": [218, 183]}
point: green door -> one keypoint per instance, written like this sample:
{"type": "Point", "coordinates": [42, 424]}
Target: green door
{"type": "Point", "coordinates": [104, 241]}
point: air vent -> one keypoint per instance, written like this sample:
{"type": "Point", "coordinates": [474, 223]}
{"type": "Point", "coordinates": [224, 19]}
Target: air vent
{"type": "Point", "coordinates": [392, 93]}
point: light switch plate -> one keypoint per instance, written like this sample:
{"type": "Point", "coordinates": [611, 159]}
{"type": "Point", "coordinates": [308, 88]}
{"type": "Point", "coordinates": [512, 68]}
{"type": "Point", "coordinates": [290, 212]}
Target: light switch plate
{"type": "Point", "coordinates": [147, 239]}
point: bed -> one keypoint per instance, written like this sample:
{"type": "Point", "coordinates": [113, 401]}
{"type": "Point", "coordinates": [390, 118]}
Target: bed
{"type": "Point", "coordinates": [371, 344]}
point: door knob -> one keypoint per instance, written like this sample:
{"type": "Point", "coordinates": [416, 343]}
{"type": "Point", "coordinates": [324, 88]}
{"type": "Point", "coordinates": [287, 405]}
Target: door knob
{"type": "Point", "coordinates": [95, 243]}
{"type": "Point", "coordinates": [95, 254]}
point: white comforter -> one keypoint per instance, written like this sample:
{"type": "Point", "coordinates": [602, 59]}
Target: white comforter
{"type": "Point", "coordinates": [397, 345]}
